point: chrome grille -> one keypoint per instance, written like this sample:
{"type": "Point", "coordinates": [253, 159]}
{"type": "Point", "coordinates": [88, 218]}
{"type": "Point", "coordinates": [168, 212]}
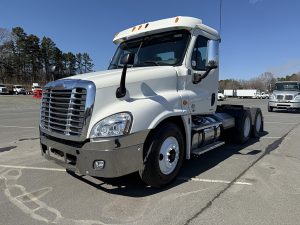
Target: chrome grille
{"type": "Point", "coordinates": [279, 97]}
{"type": "Point", "coordinates": [289, 97]}
{"type": "Point", "coordinates": [63, 110]}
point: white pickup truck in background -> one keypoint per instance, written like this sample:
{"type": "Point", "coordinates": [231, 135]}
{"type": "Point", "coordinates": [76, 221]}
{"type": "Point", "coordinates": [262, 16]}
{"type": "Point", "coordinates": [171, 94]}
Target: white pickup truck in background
{"type": "Point", "coordinates": [18, 90]}
{"type": "Point", "coordinates": [3, 90]}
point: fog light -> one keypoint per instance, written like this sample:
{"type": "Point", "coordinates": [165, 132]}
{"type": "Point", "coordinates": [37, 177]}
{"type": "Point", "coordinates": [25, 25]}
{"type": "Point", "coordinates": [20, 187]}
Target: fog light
{"type": "Point", "coordinates": [99, 164]}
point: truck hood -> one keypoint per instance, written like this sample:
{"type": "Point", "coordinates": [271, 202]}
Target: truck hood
{"type": "Point", "coordinates": [110, 78]}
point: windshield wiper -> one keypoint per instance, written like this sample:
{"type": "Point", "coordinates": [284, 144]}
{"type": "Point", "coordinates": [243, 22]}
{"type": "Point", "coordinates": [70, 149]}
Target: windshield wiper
{"type": "Point", "coordinates": [151, 62]}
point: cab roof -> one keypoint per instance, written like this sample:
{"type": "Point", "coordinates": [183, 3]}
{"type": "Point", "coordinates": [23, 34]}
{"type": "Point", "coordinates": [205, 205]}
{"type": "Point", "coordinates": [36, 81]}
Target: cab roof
{"type": "Point", "coordinates": [174, 23]}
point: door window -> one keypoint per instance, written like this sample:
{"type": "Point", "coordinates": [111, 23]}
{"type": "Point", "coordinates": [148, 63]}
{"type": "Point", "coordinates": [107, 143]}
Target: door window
{"type": "Point", "coordinates": [199, 56]}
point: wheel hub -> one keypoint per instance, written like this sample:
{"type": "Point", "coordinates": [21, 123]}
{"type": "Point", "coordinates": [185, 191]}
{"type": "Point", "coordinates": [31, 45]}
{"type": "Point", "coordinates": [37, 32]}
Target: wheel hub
{"type": "Point", "coordinates": [172, 155]}
{"type": "Point", "coordinates": [168, 155]}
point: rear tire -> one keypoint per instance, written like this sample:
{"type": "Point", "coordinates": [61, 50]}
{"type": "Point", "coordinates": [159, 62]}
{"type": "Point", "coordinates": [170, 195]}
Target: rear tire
{"type": "Point", "coordinates": [258, 124]}
{"type": "Point", "coordinates": [163, 155]}
{"type": "Point", "coordinates": [243, 127]}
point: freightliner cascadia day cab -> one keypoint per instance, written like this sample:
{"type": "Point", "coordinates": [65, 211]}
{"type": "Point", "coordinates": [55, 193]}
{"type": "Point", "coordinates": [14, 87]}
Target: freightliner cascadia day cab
{"type": "Point", "coordinates": [155, 106]}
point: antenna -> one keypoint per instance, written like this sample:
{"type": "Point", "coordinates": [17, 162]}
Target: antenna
{"type": "Point", "coordinates": [220, 19]}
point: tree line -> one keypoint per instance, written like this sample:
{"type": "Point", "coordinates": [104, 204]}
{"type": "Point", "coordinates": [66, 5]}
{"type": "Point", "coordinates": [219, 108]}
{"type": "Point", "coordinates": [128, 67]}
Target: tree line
{"type": "Point", "coordinates": [264, 82]}
{"type": "Point", "coordinates": [25, 59]}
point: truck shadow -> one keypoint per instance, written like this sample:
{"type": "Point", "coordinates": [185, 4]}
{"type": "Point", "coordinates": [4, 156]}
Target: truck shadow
{"type": "Point", "coordinates": [132, 186]}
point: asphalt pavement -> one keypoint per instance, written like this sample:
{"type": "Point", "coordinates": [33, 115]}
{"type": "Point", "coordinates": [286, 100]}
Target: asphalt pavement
{"type": "Point", "coordinates": [255, 183]}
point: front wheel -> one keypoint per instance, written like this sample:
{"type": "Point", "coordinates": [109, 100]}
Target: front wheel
{"type": "Point", "coordinates": [163, 155]}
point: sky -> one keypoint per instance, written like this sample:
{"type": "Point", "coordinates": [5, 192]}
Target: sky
{"type": "Point", "coordinates": [257, 35]}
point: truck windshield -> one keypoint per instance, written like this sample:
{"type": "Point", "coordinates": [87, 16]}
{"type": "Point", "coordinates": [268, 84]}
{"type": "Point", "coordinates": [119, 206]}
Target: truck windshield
{"type": "Point", "coordinates": [287, 86]}
{"type": "Point", "coordinates": [164, 49]}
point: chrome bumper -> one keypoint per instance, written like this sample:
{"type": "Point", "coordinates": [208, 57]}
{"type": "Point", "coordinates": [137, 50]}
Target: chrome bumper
{"type": "Point", "coordinates": [284, 105]}
{"type": "Point", "coordinates": [122, 155]}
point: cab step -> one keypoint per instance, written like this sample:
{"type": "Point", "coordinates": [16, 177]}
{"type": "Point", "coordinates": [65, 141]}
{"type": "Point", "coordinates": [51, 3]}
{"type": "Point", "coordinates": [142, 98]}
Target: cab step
{"type": "Point", "coordinates": [206, 148]}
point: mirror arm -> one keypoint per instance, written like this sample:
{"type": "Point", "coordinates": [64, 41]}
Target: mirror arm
{"type": "Point", "coordinates": [121, 91]}
{"type": "Point", "coordinates": [126, 59]}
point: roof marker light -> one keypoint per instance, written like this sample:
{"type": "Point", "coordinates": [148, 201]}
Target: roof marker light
{"type": "Point", "coordinates": [133, 29]}
{"type": "Point", "coordinates": [176, 20]}
{"type": "Point", "coordinates": [116, 34]}
{"type": "Point", "coordinates": [140, 27]}
{"type": "Point", "coordinates": [146, 25]}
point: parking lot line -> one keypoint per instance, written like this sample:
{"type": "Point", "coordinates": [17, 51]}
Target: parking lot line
{"type": "Point", "coordinates": [32, 168]}
{"type": "Point", "coordinates": [19, 127]}
{"type": "Point", "coordinates": [280, 122]}
{"type": "Point", "coordinates": [213, 181]}
{"type": "Point", "coordinates": [270, 137]}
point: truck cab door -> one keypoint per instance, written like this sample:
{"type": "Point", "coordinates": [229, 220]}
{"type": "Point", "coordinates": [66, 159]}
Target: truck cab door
{"type": "Point", "coordinates": [202, 95]}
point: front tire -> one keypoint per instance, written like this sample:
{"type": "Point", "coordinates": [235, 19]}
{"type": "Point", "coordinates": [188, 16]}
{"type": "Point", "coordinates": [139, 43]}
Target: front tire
{"type": "Point", "coordinates": [163, 155]}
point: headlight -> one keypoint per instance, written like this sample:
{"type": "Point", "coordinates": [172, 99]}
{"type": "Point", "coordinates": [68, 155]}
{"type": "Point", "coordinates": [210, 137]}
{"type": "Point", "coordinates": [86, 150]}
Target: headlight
{"type": "Point", "coordinates": [297, 97]}
{"type": "Point", "coordinates": [114, 125]}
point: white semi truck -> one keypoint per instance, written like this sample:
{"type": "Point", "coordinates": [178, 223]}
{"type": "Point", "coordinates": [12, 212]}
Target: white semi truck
{"type": "Point", "coordinates": [155, 106]}
{"type": "Point", "coordinates": [286, 95]}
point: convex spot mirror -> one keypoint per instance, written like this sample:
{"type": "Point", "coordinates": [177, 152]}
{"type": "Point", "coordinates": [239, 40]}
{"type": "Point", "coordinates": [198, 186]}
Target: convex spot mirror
{"type": "Point", "coordinates": [212, 54]}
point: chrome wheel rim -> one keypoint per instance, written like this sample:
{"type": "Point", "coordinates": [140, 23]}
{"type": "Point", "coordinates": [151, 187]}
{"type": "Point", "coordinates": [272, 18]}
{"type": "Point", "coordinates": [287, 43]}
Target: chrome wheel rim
{"type": "Point", "coordinates": [168, 155]}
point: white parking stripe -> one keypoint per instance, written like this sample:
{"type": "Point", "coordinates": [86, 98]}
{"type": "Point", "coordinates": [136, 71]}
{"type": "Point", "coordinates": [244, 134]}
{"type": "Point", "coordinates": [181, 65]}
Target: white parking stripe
{"type": "Point", "coordinates": [270, 137]}
{"type": "Point", "coordinates": [213, 181]}
{"type": "Point", "coordinates": [19, 127]}
{"type": "Point", "coordinates": [33, 168]}
{"type": "Point", "coordinates": [281, 122]}
{"type": "Point", "coordinates": [286, 138]}
{"type": "Point", "coordinates": [180, 178]}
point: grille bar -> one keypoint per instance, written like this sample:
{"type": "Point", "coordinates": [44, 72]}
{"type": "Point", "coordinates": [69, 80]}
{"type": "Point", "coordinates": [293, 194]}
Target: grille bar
{"type": "Point", "coordinates": [57, 118]}
{"type": "Point", "coordinates": [65, 114]}
{"type": "Point", "coordinates": [62, 103]}
{"type": "Point", "coordinates": [62, 124]}
{"type": "Point", "coordinates": [59, 108]}
{"type": "Point", "coordinates": [63, 98]}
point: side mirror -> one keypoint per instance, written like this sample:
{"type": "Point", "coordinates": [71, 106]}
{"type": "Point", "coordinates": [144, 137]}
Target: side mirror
{"type": "Point", "coordinates": [211, 65]}
{"type": "Point", "coordinates": [212, 60]}
{"type": "Point", "coordinates": [212, 54]}
{"type": "Point", "coordinates": [128, 59]}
